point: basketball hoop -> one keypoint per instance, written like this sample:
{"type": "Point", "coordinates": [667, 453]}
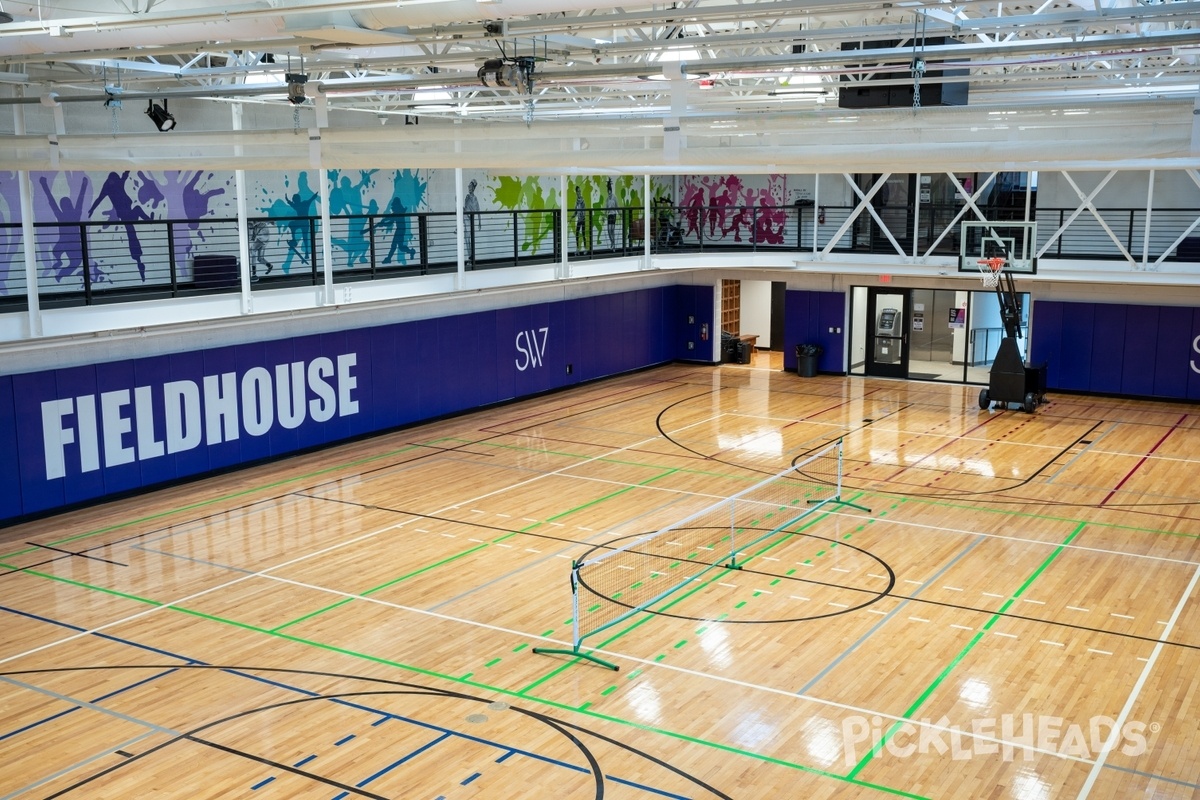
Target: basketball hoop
{"type": "Point", "coordinates": [990, 269]}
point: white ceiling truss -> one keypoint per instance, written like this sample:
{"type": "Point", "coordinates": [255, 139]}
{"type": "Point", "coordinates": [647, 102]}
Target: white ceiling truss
{"type": "Point", "coordinates": [421, 58]}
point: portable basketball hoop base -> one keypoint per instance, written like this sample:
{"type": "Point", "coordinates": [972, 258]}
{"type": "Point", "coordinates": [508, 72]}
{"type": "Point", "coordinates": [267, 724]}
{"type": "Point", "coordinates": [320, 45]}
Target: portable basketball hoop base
{"type": "Point", "coordinates": [1010, 380]}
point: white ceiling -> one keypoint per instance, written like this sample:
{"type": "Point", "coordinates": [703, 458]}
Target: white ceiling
{"type": "Point", "coordinates": [697, 86]}
{"type": "Point", "coordinates": [594, 60]}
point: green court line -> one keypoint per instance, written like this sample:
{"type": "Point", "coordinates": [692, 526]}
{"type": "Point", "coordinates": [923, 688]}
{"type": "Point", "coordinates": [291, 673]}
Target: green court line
{"type": "Point", "coordinates": [424, 569]}
{"type": "Point", "coordinates": [520, 647]}
{"type": "Point", "coordinates": [82, 585]}
{"type": "Point", "coordinates": [609, 690]}
{"type": "Point", "coordinates": [912, 709]}
{"type": "Point", "coordinates": [596, 501]}
{"type": "Point", "coordinates": [310, 615]}
{"type": "Point", "coordinates": [646, 617]}
{"type": "Point", "coordinates": [583, 709]}
{"type": "Point", "coordinates": [222, 498]}
{"type": "Point", "coordinates": [492, 663]}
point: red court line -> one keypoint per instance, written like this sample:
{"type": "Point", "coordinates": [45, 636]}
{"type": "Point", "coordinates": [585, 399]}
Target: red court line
{"type": "Point", "coordinates": [1143, 459]}
{"type": "Point", "coordinates": [954, 440]}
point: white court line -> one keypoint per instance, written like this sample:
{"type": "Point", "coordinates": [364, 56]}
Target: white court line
{"type": "Point", "coordinates": [942, 529]}
{"type": "Point", "coordinates": [918, 619]}
{"type": "Point", "coordinates": [763, 591]}
{"type": "Point", "coordinates": [726, 585]}
{"type": "Point", "coordinates": [837, 605]}
{"type": "Point", "coordinates": [1101, 652]}
{"type": "Point", "coordinates": [910, 580]}
{"type": "Point", "coordinates": [961, 627]}
{"type": "Point", "coordinates": [1035, 602]}
{"type": "Point", "coordinates": [1122, 616]}
{"type": "Point", "coordinates": [1052, 644]}
{"type": "Point", "coordinates": [877, 611]}
{"type": "Point", "coordinates": [265, 572]}
{"type": "Point", "coordinates": [624, 566]}
{"type": "Point", "coordinates": [498, 544]}
{"type": "Point", "coordinates": [797, 597]}
{"type": "Point", "coordinates": [992, 594]}
{"type": "Point", "coordinates": [531, 550]}
{"type": "Point", "coordinates": [873, 575]}
{"type": "Point", "coordinates": [952, 588]}
{"type": "Point", "coordinates": [1077, 608]}
{"type": "Point", "coordinates": [1111, 742]}
{"type": "Point", "coordinates": [450, 535]}
{"type": "Point", "coordinates": [1005, 635]}
{"type": "Point", "coordinates": [839, 569]}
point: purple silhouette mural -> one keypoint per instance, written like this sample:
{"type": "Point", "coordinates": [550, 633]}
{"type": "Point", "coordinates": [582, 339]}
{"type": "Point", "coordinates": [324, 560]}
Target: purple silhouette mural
{"type": "Point", "coordinates": [66, 253]}
{"type": "Point", "coordinates": [10, 233]}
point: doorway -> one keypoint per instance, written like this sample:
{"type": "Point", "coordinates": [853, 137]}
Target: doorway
{"type": "Point", "coordinates": [887, 322]}
{"type": "Point", "coordinates": [934, 334]}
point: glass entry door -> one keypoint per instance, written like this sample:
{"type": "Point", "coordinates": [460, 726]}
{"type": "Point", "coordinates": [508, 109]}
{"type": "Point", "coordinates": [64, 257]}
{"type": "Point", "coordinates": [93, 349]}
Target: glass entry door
{"type": "Point", "coordinates": [887, 332]}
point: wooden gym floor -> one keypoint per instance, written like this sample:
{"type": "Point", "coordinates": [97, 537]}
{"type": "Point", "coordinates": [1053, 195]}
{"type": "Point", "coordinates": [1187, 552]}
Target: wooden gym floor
{"type": "Point", "coordinates": [1016, 617]}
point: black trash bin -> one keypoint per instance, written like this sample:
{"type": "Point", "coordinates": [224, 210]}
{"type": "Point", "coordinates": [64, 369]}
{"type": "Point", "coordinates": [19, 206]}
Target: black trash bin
{"type": "Point", "coordinates": [806, 360]}
{"type": "Point", "coordinates": [744, 351]}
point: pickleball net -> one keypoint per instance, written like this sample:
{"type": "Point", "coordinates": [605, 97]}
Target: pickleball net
{"type": "Point", "coordinates": [614, 584]}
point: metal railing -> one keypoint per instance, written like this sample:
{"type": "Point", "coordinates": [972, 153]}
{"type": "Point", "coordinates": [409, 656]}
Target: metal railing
{"type": "Point", "coordinates": [144, 259]}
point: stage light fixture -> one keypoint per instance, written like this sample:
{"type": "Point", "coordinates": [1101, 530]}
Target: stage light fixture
{"type": "Point", "coordinates": [295, 87]}
{"type": "Point", "coordinates": [159, 115]}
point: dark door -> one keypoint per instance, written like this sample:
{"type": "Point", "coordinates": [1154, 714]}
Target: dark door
{"type": "Point", "coordinates": [887, 332]}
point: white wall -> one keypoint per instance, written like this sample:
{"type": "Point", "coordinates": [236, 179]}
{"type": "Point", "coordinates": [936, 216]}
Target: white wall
{"type": "Point", "coordinates": [756, 311]}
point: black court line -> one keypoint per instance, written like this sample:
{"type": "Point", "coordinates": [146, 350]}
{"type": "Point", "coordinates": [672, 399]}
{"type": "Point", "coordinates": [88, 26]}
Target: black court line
{"type": "Point", "coordinates": [797, 579]}
{"type": "Point", "coordinates": [394, 688]}
{"type": "Point", "coordinates": [80, 554]}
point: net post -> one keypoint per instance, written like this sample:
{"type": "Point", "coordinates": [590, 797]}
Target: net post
{"type": "Point", "coordinates": [574, 651]}
{"type": "Point", "coordinates": [733, 535]}
{"type": "Point", "coordinates": [837, 497]}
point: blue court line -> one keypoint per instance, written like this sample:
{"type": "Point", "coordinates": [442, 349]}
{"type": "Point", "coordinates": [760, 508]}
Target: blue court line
{"type": "Point", "coordinates": [72, 767]}
{"type": "Point", "coordinates": [803, 690]}
{"type": "Point", "coordinates": [343, 740]}
{"type": "Point", "coordinates": [305, 760]}
{"type": "Point", "coordinates": [116, 692]}
{"type": "Point", "coordinates": [470, 778]}
{"type": "Point", "coordinates": [651, 789]}
{"type": "Point", "coordinates": [504, 757]}
{"type": "Point", "coordinates": [262, 783]}
{"type": "Point", "coordinates": [379, 722]}
{"type": "Point", "coordinates": [42, 721]}
{"type": "Point", "coordinates": [1176, 781]}
{"type": "Point", "coordinates": [408, 757]}
{"type": "Point", "coordinates": [416, 723]}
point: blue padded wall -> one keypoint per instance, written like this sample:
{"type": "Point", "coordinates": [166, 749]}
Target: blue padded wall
{"type": "Point", "coordinates": [10, 477]}
{"type": "Point", "coordinates": [1112, 348]}
{"type": "Point", "coordinates": [353, 382]}
{"type": "Point", "coordinates": [808, 316]}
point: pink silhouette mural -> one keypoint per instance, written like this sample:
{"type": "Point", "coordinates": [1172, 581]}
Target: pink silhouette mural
{"type": "Point", "coordinates": [715, 208]}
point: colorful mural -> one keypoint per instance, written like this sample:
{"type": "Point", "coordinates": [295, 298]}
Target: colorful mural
{"type": "Point", "coordinates": [715, 207]}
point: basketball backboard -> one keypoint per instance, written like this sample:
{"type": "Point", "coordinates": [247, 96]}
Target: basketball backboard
{"type": "Point", "coordinates": [1015, 242]}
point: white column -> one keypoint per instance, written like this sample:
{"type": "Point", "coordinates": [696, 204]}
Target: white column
{"type": "Point", "coordinates": [27, 232]}
{"type": "Point", "coordinates": [326, 241]}
{"type": "Point", "coordinates": [647, 222]}
{"type": "Point", "coordinates": [564, 266]}
{"type": "Point", "coordinates": [239, 189]}
{"type": "Point", "coordinates": [460, 197]}
{"type": "Point", "coordinates": [1149, 212]}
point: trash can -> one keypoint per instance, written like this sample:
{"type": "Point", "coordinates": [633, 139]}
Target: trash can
{"type": "Point", "coordinates": [744, 351]}
{"type": "Point", "coordinates": [806, 360]}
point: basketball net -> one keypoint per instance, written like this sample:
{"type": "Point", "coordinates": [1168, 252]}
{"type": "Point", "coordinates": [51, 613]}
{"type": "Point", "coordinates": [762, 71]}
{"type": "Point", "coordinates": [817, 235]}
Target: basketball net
{"type": "Point", "coordinates": [990, 269]}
